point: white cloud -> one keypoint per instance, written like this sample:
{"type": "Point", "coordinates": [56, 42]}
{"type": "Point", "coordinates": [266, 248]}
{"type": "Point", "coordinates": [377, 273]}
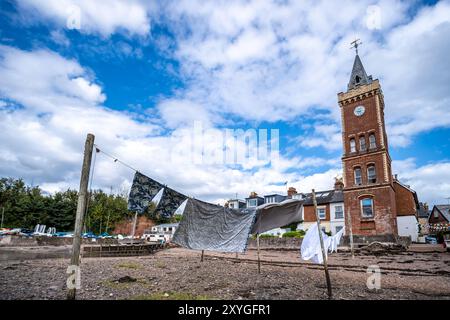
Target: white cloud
{"type": "Point", "coordinates": [430, 181]}
{"type": "Point", "coordinates": [98, 17]}
{"type": "Point", "coordinates": [61, 102]}
{"type": "Point", "coordinates": [268, 60]}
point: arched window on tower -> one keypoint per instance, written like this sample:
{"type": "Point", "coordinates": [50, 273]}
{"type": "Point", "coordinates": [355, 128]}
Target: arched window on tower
{"type": "Point", "coordinates": [362, 143]}
{"type": "Point", "coordinates": [371, 174]}
{"type": "Point", "coordinates": [372, 141]}
{"type": "Point", "coordinates": [352, 145]}
{"type": "Point", "coordinates": [358, 178]}
{"type": "Point", "coordinates": [357, 79]}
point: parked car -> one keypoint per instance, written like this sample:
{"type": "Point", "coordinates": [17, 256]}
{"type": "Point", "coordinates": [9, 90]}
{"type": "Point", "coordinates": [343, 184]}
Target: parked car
{"type": "Point", "coordinates": [431, 239]}
{"type": "Point", "coordinates": [155, 237]}
{"type": "Point", "coordinates": [447, 244]}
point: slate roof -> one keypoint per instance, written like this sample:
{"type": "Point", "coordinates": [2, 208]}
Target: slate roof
{"type": "Point", "coordinates": [358, 71]}
{"type": "Point", "coordinates": [422, 213]}
{"type": "Point", "coordinates": [324, 197]}
{"type": "Point", "coordinates": [444, 209]}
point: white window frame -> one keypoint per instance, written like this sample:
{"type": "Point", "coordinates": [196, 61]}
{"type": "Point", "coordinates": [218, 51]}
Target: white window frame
{"type": "Point", "coordinates": [362, 143]}
{"type": "Point", "coordinates": [342, 212]}
{"type": "Point", "coordinates": [324, 212]}
{"type": "Point", "coordinates": [362, 207]}
{"type": "Point", "coordinates": [352, 145]}
{"type": "Point", "coordinates": [360, 176]}
{"type": "Point", "coordinates": [375, 173]}
{"type": "Point", "coordinates": [372, 141]}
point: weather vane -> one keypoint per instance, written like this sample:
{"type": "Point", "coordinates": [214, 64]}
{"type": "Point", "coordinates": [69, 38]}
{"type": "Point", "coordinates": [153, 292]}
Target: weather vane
{"type": "Point", "coordinates": [355, 44]}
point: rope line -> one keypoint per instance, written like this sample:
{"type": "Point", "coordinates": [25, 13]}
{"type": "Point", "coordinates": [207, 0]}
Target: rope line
{"type": "Point", "coordinates": [97, 149]}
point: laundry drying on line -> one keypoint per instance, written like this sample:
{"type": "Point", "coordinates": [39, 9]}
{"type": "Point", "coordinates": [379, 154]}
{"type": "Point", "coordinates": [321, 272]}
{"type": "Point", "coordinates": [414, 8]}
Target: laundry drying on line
{"type": "Point", "coordinates": [311, 248]}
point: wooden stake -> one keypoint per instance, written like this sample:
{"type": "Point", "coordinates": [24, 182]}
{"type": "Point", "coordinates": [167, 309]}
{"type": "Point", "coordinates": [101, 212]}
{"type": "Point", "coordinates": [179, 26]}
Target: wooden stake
{"type": "Point", "coordinates": [203, 254]}
{"type": "Point", "coordinates": [324, 256]}
{"type": "Point", "coordinates": [259, 260]}
{"type": "Point", "coordinates": [349, 222]}
{"type": "Point", "coordinates": [81, 208]}
{"type": "Point", "coordinates": [3, 216]}
{"type": "Point", "coordinates": [134, 227]}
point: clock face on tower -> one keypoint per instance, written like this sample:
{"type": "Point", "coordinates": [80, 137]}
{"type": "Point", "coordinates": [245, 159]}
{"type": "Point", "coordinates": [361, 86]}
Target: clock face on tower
{"type": "Point", "coordinates": [359, 111]}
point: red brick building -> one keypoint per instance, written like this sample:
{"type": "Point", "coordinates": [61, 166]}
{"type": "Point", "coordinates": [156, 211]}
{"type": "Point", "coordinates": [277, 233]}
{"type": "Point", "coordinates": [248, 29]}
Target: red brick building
{"type": "Point", "coordinates": [373, 198]}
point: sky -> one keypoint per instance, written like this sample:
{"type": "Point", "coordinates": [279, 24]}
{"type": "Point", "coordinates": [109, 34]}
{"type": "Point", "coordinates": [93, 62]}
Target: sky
{"type": "Point", "coordinates": [142, 75]}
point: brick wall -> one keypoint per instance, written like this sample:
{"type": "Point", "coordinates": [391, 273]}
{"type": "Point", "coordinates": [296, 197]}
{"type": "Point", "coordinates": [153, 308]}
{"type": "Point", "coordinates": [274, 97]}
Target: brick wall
{"type": "Point", "coordinates": [124, 227]}
{"type": "Point", "coordinates": [384, 219]}
{"type": "Point", "coordinates": [405, 203]}
{"type": "Point", "coordinates": [310, 216]}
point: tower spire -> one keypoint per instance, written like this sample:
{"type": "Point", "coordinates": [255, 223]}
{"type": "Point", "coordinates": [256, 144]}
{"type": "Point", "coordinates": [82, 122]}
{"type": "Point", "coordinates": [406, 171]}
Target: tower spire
{"type": "Point", "coordinates": [359, 75]}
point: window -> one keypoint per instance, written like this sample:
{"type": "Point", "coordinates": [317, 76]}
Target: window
{"type": "Point", "coordinates": [371, 174]}
{"type": "Point", "coordinates": [357, 79]}
{"type": "Point", "coordinates": [362, 143]}
{"type": "Point", "coordinates": [338, 212]}
{"type": "Point", "coordinates": [252, 202]}
{"type": "Point", "coordinates": [321, 212]}
{"type": "Point", "coordinates": [367, 207]}
{"type": "Point", "coordinates": [352, 145]}
{"type": "Point", "coordinates": [436, 214]}
{"type": "Point", "coordinates": [358, 179]}
{"type": "Point", "coordinates": [372, 141]}
{"type": "Point", "coordinates": [338, 228]}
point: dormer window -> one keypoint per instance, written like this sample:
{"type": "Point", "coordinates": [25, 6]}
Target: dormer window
{"type": "Point", "coordinates": [357, 79]}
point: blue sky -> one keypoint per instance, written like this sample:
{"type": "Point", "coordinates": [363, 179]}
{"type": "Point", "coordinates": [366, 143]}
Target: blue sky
{"type": "Point", "coordinates": [138, 74]}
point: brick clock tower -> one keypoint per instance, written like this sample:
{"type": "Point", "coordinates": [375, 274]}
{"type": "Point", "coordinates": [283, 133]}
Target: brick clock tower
{"type": "Point", "coordinates": [369, 194]}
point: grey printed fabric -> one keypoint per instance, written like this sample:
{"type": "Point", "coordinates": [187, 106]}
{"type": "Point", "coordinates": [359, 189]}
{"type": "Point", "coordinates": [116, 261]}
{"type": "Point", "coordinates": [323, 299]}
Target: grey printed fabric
{"type": "Point", "coordinates": [169, 203]}
{"type": "Point", "coordinates": [206, 226]}
{"type": "Point", "coordinates": [275, 215]}
{"type": "Point", "coordinates": [142, 192]}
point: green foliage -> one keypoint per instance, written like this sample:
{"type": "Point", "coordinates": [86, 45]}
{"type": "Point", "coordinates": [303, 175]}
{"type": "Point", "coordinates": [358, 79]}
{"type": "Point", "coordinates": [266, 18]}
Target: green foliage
{"type": "Point", "coordinates": [292, 226]}
{"type": "Point", "coordinates": [27, 206]}
{"type": "Point", "coordinates": [266, 236]}
{"type": "Point", "coordinates": [294, 234]}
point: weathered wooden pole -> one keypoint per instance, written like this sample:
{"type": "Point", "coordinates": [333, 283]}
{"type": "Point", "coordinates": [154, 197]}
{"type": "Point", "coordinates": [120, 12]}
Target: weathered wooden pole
{"type": "Point", "coordinates": [259, 260]}
{"type": "Point", "coordinates": [324, 256]}
{"type": "Point", "coordinates": [350, 233]}
{"type": "Point", "coordinates": [3, 216]}
{"type": "Point", "coordinates": [203, 255]}
{"type": "Point", "coordinates": [81, 209]}
{"type": "Point", "coordinates": [134, 226]}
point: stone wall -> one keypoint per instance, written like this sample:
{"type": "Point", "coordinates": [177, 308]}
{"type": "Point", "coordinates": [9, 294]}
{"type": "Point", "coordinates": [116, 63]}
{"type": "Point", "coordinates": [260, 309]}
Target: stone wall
{"type": "Point", "coordinates": [20, 241]}
{"type": "Point", "coordinates": [390, 238]}
{"type": "Point", "coordinates": [275, 243]}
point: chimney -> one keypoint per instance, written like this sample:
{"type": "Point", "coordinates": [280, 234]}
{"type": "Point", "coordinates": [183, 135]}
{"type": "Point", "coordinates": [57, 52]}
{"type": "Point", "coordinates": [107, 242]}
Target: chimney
{"type": "Point", "coordinates": [253, 194]}
{"type": "Point", "coordinates": [338, 184]}
{"type": "Point", "coordinates": [291, 191]}
{"type": "Point", "coordinates": [396, 177]}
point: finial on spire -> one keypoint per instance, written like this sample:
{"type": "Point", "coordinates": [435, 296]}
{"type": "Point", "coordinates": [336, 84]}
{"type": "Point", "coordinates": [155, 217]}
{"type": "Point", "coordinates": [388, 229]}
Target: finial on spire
{"type": "Point", "coordinates": [355, 44]}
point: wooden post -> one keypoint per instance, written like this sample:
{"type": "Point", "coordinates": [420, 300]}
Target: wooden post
{"type": "Point", "coordinates": [81, 209]}
{"type": "Point", "coordinates": [134, 227]}
{"type": "Point", "coordinates": [203, 254]}
{"type": "Point", "coordinates": [3, 215]}
{"type": "Point", "coordinates": [324, 256]}
{"type": "Point", "coordinates": [259, 260]}
{"type": "Point", "coordinates": [350, 233]}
